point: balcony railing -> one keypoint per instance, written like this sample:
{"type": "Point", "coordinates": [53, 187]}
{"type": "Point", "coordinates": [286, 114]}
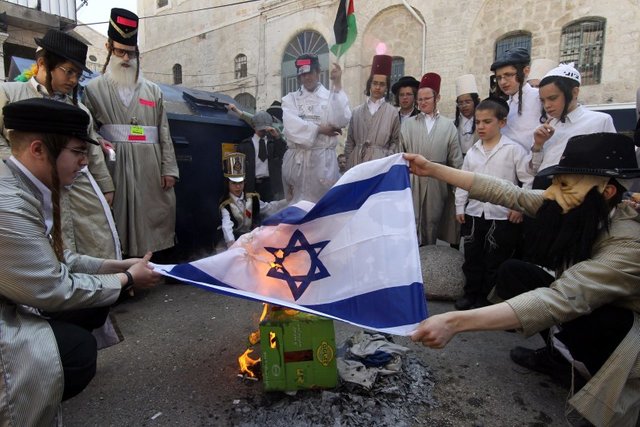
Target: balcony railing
{"type": "Point", "coordinates": [63, 8]}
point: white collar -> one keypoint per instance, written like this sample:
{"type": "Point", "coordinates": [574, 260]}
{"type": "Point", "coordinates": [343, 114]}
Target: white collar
{"type": "Point", "coordinates": [42, 90]}
{"type": "Point", "coordinates": [44, 191]}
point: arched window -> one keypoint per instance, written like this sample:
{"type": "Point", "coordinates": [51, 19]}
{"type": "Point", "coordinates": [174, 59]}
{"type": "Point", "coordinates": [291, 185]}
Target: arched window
{"type": "Point", "coordinates": [304, 42]}
{"type": "Point", "coordinates": [247, 101]}
{"type": "Point", "coordinates": [397, 69]}
{"type": "Point", "coordinates": [519, 39]}
{"type": "Point", "coordinates": [582, 43]}
{"type": "Point", "coordinates": [177, 74]}
{"type": "Point", "coordinates": [240, 66]}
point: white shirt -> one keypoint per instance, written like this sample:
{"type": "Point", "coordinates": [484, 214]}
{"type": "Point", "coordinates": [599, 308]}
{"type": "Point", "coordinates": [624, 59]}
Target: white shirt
{"type": "Point", "coordinates": [262, 168]}
{"type": "Point", "coordinates": [507, 160]}
{"type": "Point", "coordinates": [42, 90]}
{"type": "Point", "coordinates": [578, 122]}
{"type": "Point", "coordinates": [47, 204]}
{"type": "Point", "coordinates": [430, 120]}
{"type": "Point", "coordinates": [266, 209]}
{"type": "Point", "coordinates": [404, 116]}
{"type": "Point", "coordinates": [520, 128]}
{"type": "Point", "coordinates": [374, 105]}
{"type": "Point", "coordinates": [465, 133]}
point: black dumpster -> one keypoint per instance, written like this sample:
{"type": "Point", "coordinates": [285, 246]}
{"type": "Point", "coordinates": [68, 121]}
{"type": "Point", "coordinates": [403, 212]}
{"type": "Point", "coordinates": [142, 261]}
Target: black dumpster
{"type": "Point", "coordinates": [200, 126]}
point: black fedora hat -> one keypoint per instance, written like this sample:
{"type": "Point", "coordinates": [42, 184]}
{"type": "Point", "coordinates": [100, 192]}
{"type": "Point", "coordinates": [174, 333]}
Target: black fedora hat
{"type": "Point", "coordinates": [516, 55]}
{"type": "Point", "coordinates": [43, 115]}
{"type": "Point", "coordinates": [65, 46]}
{"type": "Point", "coordinates": [404, 81]}
{"type": "Point", "coordinates": [600, 154]}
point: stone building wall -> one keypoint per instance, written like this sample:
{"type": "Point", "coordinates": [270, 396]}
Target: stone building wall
{"type": "Point", "coordinates": [461, 39]}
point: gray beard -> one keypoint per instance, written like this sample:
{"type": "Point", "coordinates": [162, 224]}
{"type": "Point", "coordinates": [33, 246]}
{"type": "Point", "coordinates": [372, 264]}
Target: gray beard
{"type": "Point", "coordinates": [124, 77]}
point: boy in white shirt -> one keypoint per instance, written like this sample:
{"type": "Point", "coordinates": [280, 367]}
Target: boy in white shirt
{"type": "Point", "coordinates": [490, 231]}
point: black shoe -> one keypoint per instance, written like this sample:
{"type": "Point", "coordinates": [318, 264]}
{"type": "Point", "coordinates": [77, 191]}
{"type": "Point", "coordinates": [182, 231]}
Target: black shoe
{"type": "Point", "coordinates": [546, 362]}
{"type": "Point", "coordinates": [465, 302]}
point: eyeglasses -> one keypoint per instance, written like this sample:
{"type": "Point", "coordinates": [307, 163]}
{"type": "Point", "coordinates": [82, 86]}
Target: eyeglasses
{"type": "Point", "coordinates": [465, 102]}
{"type": "Point", "coordinates": [71, 73]}
{"type": "Point", "coordinates": [505, 76]}
{"type": "Point", "coordinates": [77, 151]}
{"type": "Point", "coordinates": [120, 53]}
{"type": "Point", "coordinates": [425, 99]}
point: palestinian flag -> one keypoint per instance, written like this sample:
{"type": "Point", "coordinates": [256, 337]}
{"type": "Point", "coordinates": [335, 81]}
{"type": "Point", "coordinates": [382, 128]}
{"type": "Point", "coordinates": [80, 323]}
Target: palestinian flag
{"type": "Point", "coordinates": [344, 28]}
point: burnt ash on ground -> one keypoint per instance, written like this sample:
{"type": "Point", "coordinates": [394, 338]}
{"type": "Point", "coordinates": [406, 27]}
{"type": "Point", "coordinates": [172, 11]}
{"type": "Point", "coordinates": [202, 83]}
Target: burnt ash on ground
{"type": "Point", "coordinates": [394, 400]}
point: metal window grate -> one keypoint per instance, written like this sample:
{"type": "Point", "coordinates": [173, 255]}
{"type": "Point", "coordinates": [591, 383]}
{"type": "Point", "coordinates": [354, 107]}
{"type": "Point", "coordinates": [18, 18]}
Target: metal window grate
{"type": "Point", "coordinates": [509, 42]}
{"type": "Point", "coordinates": [240, 66]}
{"type": "Point", "coordinates": [177, 74]}
{"type": "Point", "coordinates": [397, 69]}
{"type": "Point", "coordinates": [582, 43]}
{"type": "Point", "coordinates": [247, 101]}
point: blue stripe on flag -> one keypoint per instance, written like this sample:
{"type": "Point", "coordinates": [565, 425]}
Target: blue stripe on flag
{"type": "Point", "coordinates": [346, 197]}
{"type": "Point", "coordinates": [406, 303]}
{"type": "Point", "coordinates": [383, 308]}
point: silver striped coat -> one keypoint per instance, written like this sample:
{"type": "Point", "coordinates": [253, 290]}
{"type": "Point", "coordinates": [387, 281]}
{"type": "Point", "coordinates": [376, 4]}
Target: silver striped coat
{"type": "Point", "coordinates": [31, 380]}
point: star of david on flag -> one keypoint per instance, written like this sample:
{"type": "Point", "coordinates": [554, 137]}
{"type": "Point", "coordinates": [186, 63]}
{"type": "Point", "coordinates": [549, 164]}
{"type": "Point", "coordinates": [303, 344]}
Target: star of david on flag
{"type": "Point", "coordinates": [353, 256]}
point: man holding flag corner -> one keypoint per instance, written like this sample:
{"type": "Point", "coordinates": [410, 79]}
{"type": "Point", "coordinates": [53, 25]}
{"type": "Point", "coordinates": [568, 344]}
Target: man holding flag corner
{"type": "Point", "coordinates": [589, 314]}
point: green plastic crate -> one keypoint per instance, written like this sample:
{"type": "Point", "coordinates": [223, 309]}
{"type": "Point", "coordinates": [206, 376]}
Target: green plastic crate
{"type": "Point", "coordinates": [298, 351]}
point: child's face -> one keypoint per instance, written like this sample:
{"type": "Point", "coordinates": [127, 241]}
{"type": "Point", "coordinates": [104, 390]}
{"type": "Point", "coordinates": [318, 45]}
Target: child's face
{"type": "Point", "coordinates": [487, 124]}
{"type": "Point", "coordinates": [65, 77]}
{"type": "Point", "coordinates": [406, 98]}
{"type": "Point", "coordinates": [378, 86]}
{"type": "Point", "coordinates": [427, 100]}
{"type": "Point", "coordinates": [507, 79]}
{"type": "Point", "coordinates": [236, 188]}
{"type": "Point", "coordinates": [552, 99]}
{"type": "Point", "coordinates": [465, 104]}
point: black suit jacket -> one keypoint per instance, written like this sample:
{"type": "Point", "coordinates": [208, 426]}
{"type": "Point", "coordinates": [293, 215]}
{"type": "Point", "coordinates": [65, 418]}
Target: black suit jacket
{"type": "Point", "coordinates": [275, 153]}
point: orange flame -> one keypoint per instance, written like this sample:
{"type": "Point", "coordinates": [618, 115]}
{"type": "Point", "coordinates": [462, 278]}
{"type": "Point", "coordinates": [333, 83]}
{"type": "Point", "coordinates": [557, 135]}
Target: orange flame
{"type": "Point", "coordinates": [272, 340]}
{"type": "Point", "coordinates": [247, 363]}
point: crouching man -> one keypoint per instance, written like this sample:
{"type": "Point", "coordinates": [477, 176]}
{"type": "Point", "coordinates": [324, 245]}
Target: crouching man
{"type": "Point", "coordinates": [589, 312]}
{"type": "Point", "coordinates": [48, 358]}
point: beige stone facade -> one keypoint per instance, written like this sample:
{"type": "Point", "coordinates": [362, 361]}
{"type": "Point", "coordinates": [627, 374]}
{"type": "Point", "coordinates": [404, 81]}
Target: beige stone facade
{"type": "Point", "coordinates": [448, 37]}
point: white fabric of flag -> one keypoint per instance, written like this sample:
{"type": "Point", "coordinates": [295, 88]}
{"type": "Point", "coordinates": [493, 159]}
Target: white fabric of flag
{"type": "Point", "coordinates": [353, 256]}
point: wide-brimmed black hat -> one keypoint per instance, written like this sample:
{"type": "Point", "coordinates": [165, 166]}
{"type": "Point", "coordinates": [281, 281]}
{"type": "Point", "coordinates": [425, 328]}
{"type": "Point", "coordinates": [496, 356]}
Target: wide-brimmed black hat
{"type": "Point", "coordinates": [123, 26]}
{"type": "Point", "coordinates": [514, 56]}
{"type": "Point", "coordinates": [43, 115]}
{"type": "Point", "coordinates": [404, 81]}
{"type": "Point", "coordinates": [600, 154]}
{"type": "Point", "coordinates": [65, 46]}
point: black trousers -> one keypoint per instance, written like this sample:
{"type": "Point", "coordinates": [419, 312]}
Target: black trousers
{"type": "Point", "coordinates": [263, 188]}
{"type": "Point", "coordinates": [77, 347]}
{"type": "Point", "coordinates": [78, 353]}
{"type": "Point", "coordinates": [487, 244]}
{"type": "Point", "coordinates": [591, 338]}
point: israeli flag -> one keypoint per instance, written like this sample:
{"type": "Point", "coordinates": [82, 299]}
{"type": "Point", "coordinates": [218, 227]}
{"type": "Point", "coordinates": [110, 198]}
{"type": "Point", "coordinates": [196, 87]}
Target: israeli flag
{"type": "Point", "coordinates": [353, 256]}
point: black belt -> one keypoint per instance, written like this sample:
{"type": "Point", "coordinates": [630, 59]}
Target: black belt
{"type": "Point", "coordinates": [261, 180]}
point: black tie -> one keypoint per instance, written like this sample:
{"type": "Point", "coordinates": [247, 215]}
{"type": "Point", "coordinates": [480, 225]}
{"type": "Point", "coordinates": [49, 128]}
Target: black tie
{"type": "Point", "coordinates": [262, 150]}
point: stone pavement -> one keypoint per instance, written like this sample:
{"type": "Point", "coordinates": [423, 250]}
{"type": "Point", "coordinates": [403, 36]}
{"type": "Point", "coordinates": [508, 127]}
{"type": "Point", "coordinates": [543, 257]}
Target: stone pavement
{"type": "Point", "coordinates": [177, 366]}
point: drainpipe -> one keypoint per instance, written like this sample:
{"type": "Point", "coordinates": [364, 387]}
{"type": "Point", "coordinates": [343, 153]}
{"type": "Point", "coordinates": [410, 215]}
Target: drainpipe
{"type": "Point", "coordinates": [424, 34]}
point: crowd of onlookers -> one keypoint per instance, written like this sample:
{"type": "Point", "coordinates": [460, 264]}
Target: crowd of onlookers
{"type": "Point", "coordinates": [527, 178]}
